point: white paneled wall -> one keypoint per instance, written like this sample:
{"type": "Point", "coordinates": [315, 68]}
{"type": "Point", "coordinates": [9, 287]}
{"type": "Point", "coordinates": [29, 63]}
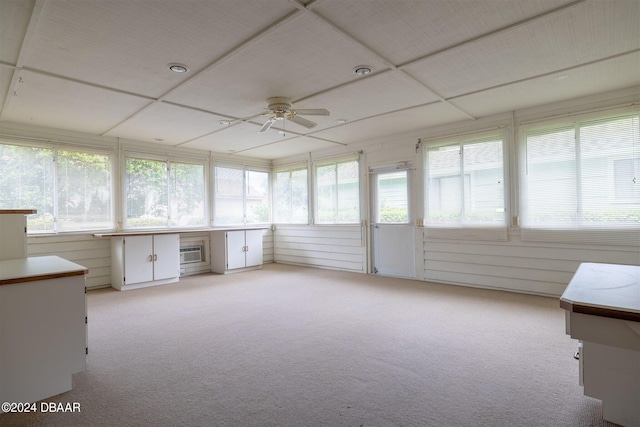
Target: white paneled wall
{"type": "Point", "coordinates": [84, 249]}
{"type": "Point", "coordinates": [338, 247]}
{"type": "Point", "coordinates": [515, 265]}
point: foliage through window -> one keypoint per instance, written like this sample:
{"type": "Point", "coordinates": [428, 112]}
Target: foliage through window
{"type": "Point", "coordinates": [465, 183]}
{"type": "Point", "coordinates": [164, 193]}
{"type": "Point", "coordinates": [71, 190]}
{"type": "Point", "coordinates": [291, 196]}
{"type": "Point", "coordinates": [583, 176]}
{"type": "Point", "coordinates": [241, 196]}
{"type": "Point", "coordinates": [338, 193]}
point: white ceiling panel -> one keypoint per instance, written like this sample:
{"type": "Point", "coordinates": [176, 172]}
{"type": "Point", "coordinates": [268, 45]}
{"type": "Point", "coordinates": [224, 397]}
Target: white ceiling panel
{"type": "Point", "coordinates": [236, 138]}
{"type": "Point", "coordinates": [384, 92]}
{"type": "Point", "coordinates": [288, 147]}
{"type": "Point", "coordinates": [57, 103]}
{"type": "Point", "coordinates": [128, 44]}
{"type": "Point", "coordinates": [581, 34]}
{"type": "Point", "coordinates": [101, 66]}
{"type": "Point", "coordinates": [166, 123]}
{"type": "Point", "coordinates": [402, 30]}
{"type": "Point", "coordinates": [618, 73]}
{"type": "Point", "coordinates": [15, 18]}
{"type": "Point", "coordinates": [294, 60]}
{"type": "Point", "coordinates": [399, 122]}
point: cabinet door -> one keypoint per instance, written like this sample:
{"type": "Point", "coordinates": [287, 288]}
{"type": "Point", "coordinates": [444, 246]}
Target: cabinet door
{"type": "Point", "coordinates": [166, 255]}
{"type": "Point", "coordinates": [253, 244]}
{"type": "Point", "coordinates": [138, 259]}
{"type": "Point", "coordinates": [235, 250]}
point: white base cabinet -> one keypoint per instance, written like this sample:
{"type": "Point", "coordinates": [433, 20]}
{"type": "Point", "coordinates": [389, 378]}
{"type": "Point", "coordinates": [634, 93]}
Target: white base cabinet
{"type": "Point", "coordinates": [144, 260]}
{"type": "Point", "coordinates": [43, 333]}
{"type": "Point", "coordinates": [236, 250]}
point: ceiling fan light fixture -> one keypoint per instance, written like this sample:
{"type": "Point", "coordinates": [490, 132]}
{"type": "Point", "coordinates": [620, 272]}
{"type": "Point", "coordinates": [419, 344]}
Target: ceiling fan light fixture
{"type": "Point", "coordinates": [178, 68]}
{"type": "Point", "coordinates": [363, 70]}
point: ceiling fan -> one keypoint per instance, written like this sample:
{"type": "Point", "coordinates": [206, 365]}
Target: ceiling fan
{"type": "Point", "coordinates": [280, 109]}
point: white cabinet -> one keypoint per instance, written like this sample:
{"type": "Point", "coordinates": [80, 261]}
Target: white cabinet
{"type": "Point", "coordinates": [144, 260]}
{"type": "Point", "coordinates": [236, 250]}
{"type": "Point", "coordinates": [43, 338]}
{"type": "Point", "coordinates": [603, 312]}
{"type": "Point", "coordinates": [13, 233]}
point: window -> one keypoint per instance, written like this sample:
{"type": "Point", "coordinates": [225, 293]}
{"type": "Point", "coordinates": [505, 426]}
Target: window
{"type": "Point", "coordinates": [241, 196]}
{"type": "Point", "coordinates": [391, 197]}
{"type": "Point", "coordinates": [71, 190]}
{"type": "Point", "coordinates": [162, 193]}
{"type": "Point", "coordinates": [291, 196]}
{"type": "Point", "coordinates": [582, 177]}
{"type": "Point", "coordinates": [338, 193]}
{"type": "Point", "coordinates": [465, 183]}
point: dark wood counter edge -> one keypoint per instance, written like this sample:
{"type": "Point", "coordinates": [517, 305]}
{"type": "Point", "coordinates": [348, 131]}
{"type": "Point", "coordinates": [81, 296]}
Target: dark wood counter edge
{"type": "Point", "coordinates": [17, 211]}
{"type": "Point", "coordinates": [43, 277]}
{"type": "Point", "coordinates": [600, 311]}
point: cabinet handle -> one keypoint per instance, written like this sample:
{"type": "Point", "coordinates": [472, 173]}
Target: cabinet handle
{"type": "Point", "coordinates": [150, 258]}
{"type": "Point", "coordinates": [246, 248]}
{"type": "Point", "coordinates": [155, 257]}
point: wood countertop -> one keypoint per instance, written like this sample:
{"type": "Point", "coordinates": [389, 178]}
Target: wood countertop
{"type": "Point", "coordinates": [607, 290]}
{"type": "Point", "coordinates": [30, 269]}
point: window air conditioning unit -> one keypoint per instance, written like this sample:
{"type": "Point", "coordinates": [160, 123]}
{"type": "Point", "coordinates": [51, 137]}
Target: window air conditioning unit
{"type": "Point", "coordinates": [190, 254]}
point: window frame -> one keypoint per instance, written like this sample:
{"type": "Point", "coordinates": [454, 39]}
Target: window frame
{"type": "Point", "coordinates": [613, 234]}
{"type": "Point", "coordinates": [274, 177]}
{"type": "Point", "coordinates": [55, 148]}
{"type": "Point", "coordinates": [465, 229]}
{"type": "Point", "coordinates": [245, 169]}
{"type": "Point", "coordinates": [336, 161]}
{"type": "Point", "coordinates": [167, 160]}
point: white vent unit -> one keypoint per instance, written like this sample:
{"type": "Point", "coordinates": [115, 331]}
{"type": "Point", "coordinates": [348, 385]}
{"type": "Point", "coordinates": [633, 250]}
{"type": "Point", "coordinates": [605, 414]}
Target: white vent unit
{"type": "Point", "coordinates": [191, 254]}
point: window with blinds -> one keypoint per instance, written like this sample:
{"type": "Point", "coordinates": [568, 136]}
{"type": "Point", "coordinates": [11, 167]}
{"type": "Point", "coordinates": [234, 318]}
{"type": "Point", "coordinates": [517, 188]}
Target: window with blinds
{"type": "Point", "coordinates": [291, 195]}
{"type": "Point", "coordinates": [580, 182]}
{"type": "Point", "coordinates": [241, 196]}
{"type": "Point", "coordinates": [465, 183]}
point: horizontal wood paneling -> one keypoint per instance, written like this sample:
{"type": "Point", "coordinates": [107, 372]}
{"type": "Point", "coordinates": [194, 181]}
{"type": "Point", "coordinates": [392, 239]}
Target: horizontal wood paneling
{"type": "Point", "coordinates": [532, 267]}
{"type": "Point", "coordinates": [84, 249]}
{"type": "Point", "coordinates": [335, 247]}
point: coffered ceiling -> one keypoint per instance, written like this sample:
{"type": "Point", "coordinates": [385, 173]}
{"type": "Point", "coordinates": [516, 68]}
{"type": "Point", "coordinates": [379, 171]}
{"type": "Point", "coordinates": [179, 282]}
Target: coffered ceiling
{"type": "Point", "coordinates": [102, 66]}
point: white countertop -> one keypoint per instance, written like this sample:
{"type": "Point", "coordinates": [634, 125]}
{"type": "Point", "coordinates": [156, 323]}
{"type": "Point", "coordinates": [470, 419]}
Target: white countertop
{"type": "Point", "coordinates": [142, 232]}
{"type": "Point", "coordinates": [611, 287]}
{"type": "Point", "coordinates": [37, 268]}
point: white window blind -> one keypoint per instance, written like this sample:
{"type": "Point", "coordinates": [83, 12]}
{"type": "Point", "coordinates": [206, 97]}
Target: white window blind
{"type": "Point", "coordinates": [580, 182]}
{"type": "Point", "coordinates": [465, 187]}
{"type": "Point", "coordinates": [337, 192]}
{"type": "Point", "coordinates": [291, 195]}
{"type": "Point", "coordinates": [241, 196]}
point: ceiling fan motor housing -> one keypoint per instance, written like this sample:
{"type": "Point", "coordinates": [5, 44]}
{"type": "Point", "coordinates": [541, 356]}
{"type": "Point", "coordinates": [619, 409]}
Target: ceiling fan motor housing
{"type": "Point", "coordinates": [279, 104]}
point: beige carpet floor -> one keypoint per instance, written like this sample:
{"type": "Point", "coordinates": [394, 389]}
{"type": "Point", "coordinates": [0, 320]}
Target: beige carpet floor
{"type": "Point", "coordinates": [295, 346]}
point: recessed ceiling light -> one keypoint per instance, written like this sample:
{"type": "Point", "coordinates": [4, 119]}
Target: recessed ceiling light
{"type": "Point", "coordinates": [363, 70]}
{"type": "Point", "coordinates": [178, 68]}
{"type": "Point", "coordinates": [561, 77]}
{"type": "Point", "coordinates": [224, 122]}
{"type": "Point", "coordinates": [341, 121]}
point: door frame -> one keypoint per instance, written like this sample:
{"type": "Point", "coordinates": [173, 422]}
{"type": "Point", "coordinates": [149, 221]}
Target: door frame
{"type": "Point", "coordinates": [373, 172]}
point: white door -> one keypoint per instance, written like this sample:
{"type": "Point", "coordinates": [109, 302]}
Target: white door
{"type": "Point", "coordinates": [138, 259]}
{"type": "Point", "coordinates": [166, 256]}
{"type": "Point", "coordinates": [235, 250]}
{"type": "Point", "coordinates": [253, 245]}
{"type": "Point", "coordinates": [392, 231]}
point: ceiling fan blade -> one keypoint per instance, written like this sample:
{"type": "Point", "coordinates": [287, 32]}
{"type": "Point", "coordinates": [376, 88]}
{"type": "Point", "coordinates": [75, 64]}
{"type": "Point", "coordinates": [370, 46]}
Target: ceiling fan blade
{"type": "Point", "coordinates": [313, 112]}
{"type": "Point", "coordinates": [265, 127]}
{"type": "Point", "coordinates": [302, 122]}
